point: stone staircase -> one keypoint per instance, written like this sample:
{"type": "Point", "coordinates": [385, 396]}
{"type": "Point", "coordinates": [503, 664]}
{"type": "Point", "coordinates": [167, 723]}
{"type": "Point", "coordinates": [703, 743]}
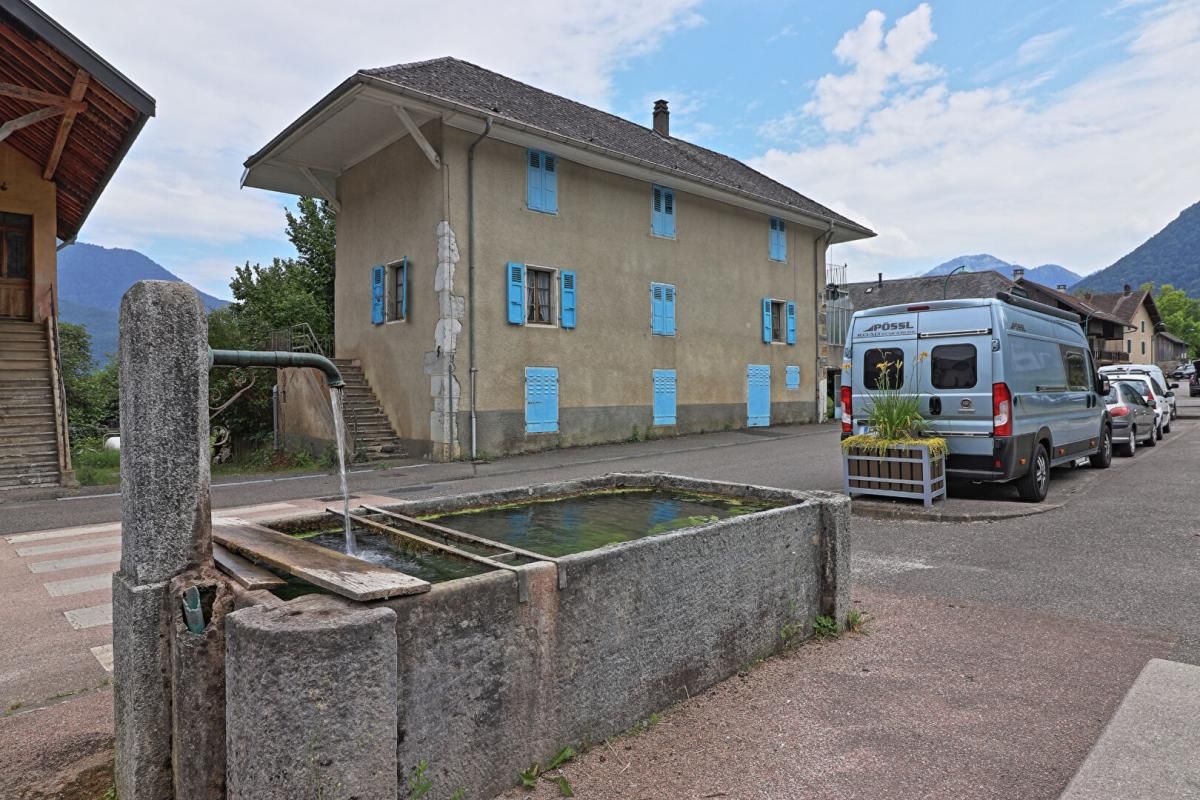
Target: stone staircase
{"type": "Point", "coordinates": [366, 424]}
{"type": "Point", "coordinates": [28, 434]}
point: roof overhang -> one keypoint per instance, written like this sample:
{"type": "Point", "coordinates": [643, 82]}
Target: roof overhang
{"type": "Point", "coordinates": [65, 108]}
{"type": "Point", "coordinates": [359, 118]}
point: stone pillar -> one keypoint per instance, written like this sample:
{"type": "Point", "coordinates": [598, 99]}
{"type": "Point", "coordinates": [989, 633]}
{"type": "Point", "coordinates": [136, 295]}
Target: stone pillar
{"type": "Point", "coordinates": [311, 701]}
{"type": "Point", "coordinates": [165, 526]}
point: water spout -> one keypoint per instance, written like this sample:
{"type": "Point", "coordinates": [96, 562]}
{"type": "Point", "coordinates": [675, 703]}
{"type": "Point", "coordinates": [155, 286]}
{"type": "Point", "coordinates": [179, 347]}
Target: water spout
{"type": "Point", "coordinates": [333, 377]}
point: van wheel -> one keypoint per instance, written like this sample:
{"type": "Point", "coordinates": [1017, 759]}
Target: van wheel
{"type": "Point", "coordinates": [1034, 484]}
{"type": "Point", "coordinates": [1128, 449]}
{"type": "Point", "coordinates": [1102, 458]}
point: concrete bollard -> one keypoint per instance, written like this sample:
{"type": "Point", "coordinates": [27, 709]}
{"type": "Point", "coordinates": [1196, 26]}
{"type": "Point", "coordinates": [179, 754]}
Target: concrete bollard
{"type": "Point", "coordinates": [311, 701]}
{"type": "Point", "coordinates": [165, 523]}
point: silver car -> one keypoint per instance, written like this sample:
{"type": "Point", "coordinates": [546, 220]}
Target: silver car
{"type": "Point", "coordinates": [1132, 417]}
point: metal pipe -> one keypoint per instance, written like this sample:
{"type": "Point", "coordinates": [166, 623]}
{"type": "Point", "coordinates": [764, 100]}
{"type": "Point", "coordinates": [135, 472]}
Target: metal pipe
{"type": "Point", "coordinates": [473, 371]}
{"type": "Point", "coordinates": [277, 359]}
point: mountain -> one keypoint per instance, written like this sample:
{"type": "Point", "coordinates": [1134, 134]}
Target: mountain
{"type": "Point", "coordinates": [1170, 256]}
{"type": "Point", "coordinates": [91, 282]}
{"type": "Point", "coordinates": [1047, 274]}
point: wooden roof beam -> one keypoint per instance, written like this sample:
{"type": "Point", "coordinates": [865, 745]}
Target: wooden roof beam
{"type": "Point", "coordinates": [78, 89]}
{"type": "Point", "coordinates": [32, 95]}
{"type": "Point", "coordinates": [31, 118]}
{"type": "Point", "coordinates": [417, 136]}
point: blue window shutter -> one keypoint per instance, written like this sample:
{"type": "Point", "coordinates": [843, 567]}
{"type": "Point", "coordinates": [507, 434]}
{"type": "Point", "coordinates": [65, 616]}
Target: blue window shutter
{"type": "Point", "coordinates": [657, 308]}
{"type": "Point", "coordinates": [567, 301]}
{"type": "Point", "coordinates": [793, 377]}
{"type": "Point", "coordinates": [791, 323]}
{"type": "Point", "coordinates": [668, 310]}
{"type": "Point", "coordinates": [377, 301]}
{"type": "Point", "coordinates": [766, 319]}
{"type": "Point", "coordinates": [656, 212]}
{"type": "Point", "coordinates": [549, 183]}
{"type": "Point", "coordinates": [541, 399]}
{"type": "Point", "coordinates": [516, 293]}
{"type": "Point", "coordinates": [668, 212]}
{"type": "Point", "coordinates": [534, 182]}
{"type": "Point", "coordinates": [758, 395]}
{"type": "Point", "coordinates": [778, 245]}
{"type": "Point", "coordinates": [403, 288]}
{"type": "Point", "coordinates": [664, 397]}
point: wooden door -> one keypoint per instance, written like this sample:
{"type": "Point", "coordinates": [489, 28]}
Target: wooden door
{"type": "Point", "coordinates": [16, 266]}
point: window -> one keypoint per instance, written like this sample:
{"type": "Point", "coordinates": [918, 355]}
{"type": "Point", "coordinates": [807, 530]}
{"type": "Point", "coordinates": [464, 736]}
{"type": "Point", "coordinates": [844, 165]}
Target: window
{"type": "Point", "coordinates": [541, 186]}
{"type": "Point", "coordinates": [15, 261]}
{"type": "Point", "coordinates": [1077, 374]}
{"type": "Point", "coordinates": [1143, 345]}
{"type": "Point", "coordinates": [1038, 362]}
{"type": "Point", "coordinates": [778, 240]}
{"type": "Point", "coordinates": [778, 321]}
{"type": "Point", "coordinates": [398, 290]}
{"type": "Point", "coordinates": [539, 307]}
{"type": "Point", "coordinates": [662, 212]}
{"type": "Point", "coordinates": [954, 366]}
{"type": "Point", "coordinates": [883, 368]}
{"type": "Point", "coordinates": [1129, 345]}
{"type": "Point", "coordinates": [1143, 326]}
{"type": "Point", "coordinates": [662, 309]}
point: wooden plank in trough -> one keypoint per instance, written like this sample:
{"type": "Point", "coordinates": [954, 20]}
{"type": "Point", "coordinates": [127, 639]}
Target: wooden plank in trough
{"type": "Point", "coordinates": [320, 566]}
{"type": "Point", "coordinates": [245, 572]}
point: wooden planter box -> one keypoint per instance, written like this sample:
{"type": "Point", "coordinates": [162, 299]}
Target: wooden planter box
{"type": "Point", "coordinates": [908, 472]}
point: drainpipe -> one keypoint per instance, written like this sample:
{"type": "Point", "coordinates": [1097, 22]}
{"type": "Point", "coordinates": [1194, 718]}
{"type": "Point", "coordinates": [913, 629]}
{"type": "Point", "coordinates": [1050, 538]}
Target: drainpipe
{"type": "Point", "coordinates": [487, 129]}
{"type": "Point", "coordinates": [820, 244]}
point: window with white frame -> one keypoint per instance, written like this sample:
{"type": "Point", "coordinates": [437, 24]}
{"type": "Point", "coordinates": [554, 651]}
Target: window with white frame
{"type": "Point", "coordinates": [539, 296]}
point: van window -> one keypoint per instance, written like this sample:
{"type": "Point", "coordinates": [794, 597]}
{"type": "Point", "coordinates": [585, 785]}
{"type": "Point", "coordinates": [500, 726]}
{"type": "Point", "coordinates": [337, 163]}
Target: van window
{"type": "Point", "coordinates": [1077, 376]}
{"type": "Point", "coordinates": [953, 366]}
{"type": "Point", "coordinates": [883, 368]}
{"type": "Point", "coordinates": [1039, 363]}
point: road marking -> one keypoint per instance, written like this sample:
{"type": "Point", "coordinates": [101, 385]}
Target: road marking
{"type": "Point", "coordinates": [43, 549]}
{"type": "Point", "coordinates": [63, 533]}
{"type": "Point", "coordinates": [104, 655]}
{"type": "Point", "coordinates": [89, 496]}
{"type": "Point", "coordinates": [79, 585]}
{"type": "Point", "coordinates": [90, 617]}
{"type": "Point", "coordinates": [59, 564]}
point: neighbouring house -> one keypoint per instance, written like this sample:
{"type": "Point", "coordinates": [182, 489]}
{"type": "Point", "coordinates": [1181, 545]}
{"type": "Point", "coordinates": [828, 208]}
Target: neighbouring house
{"type": "Point", "coordinates": [1169, 349]}
{"type": "Point", "coordinates": [519, 271]}
{"type": "Point", "coordinates": [1135, 308]}
{"type": "Point", "coordinates": [67, 118]}
{"type": "Point", "coordinates": [836, 310]}
{"type": "Point", "coordinates": [1104, 330]}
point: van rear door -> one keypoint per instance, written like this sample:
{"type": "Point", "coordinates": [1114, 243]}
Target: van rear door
{"type": "Point", "coordinates": [883, 356]}
{"type": "Point", "coordinates": [956, 375]}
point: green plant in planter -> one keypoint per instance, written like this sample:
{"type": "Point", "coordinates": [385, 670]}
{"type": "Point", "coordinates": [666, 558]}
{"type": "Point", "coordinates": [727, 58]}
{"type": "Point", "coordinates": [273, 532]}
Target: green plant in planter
{"type": "Point", "coordinates": [895, 415]}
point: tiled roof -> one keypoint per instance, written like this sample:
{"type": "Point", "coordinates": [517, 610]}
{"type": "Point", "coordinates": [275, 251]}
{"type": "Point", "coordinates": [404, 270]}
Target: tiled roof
{"type": "Point", "coordinates": [964, 285]}
{"type": "Point", "coordinates": [1044, 294]}
{"type": "Point", "coordinates": [504, 98]}
{"type": "Point", "coordinates": [1124, 305]}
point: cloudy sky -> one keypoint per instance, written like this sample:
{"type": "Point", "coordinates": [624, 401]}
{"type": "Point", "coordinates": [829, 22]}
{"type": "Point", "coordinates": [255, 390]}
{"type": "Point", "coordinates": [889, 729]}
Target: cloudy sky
{"type": "Point", "coordinates": [1038, 131]}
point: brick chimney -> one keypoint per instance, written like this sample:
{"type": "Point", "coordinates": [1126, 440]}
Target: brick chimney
{"type": "Point", "coordinates": [1018, 273]}
{"type": "Point", "coordinates": [1062, 287]}
{"type": "Point", "coordinates": [1128, 289]}
{"type": "Point", "coordinates": [662, 119]}
{"type": "Point", "coordinates": [881, 280]}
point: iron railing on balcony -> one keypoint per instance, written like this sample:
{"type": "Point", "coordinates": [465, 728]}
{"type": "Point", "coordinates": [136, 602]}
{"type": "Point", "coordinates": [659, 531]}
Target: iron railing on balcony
{"type": "Point", "coordinates": [299, 338]}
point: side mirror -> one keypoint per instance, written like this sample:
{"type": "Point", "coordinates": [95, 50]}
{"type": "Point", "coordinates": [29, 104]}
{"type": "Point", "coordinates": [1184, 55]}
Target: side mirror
{"type": "Point", "coordinates": [1173, 386]}
{"type": "Point", "coordinates": [1102, 384]}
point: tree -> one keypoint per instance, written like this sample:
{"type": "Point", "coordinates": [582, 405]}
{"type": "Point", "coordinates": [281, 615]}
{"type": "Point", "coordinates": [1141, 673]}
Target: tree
{"type": "Point", "coordinates": [93, 396]}
{"type": "Point", "coordinates": [1181, 314]}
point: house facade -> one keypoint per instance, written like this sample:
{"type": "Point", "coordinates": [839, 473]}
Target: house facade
{"type": "Point", "coordinates": [516, 271]}
{"type": "Point", "coordinates": [67, 118]}
{"type": "Point", "coordinates": [1137, 310]}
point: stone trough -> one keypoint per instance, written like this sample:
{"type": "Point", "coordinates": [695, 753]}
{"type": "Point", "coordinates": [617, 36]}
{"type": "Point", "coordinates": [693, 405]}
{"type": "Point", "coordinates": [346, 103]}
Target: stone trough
{"type": "Point", "coordinates": [480, 676]}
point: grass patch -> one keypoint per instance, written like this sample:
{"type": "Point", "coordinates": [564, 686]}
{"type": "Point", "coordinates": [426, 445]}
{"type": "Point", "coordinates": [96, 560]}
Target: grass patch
{"type": "Point", "coordinates": [856, 621]}
{"type": "Point", "coordinates": [825, 627]}
{"type": "Point", "coordinates": [879, 446]}
{"type": "Point", "coordinates": [97, 467]}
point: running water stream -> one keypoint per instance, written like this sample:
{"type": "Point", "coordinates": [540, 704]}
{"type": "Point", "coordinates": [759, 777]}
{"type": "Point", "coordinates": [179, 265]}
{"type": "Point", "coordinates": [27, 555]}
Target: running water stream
{"type": "Point", "coordinates": [339, 428]}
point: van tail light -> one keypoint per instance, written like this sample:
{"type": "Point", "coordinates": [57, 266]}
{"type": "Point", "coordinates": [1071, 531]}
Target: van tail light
{"type": "Point", "coordinates": [1119, 411]}
{"type": "Point", "coordinates": [847, 395]}
{"type": "Point", "coordinates": [1001, 410]}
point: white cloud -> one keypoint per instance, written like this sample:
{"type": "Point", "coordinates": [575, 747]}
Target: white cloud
{"type": "Point", "coordinates": [228, 76]}
{"type": "Point", "coordinates": [880, 62]}
{"type": "Point", "coordinates": [1037, 48]}
{"type": "Point", "coordinates": [1079, 177]}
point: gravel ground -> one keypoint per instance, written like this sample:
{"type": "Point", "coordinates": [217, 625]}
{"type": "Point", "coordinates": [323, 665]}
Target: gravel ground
{"type": "Point", "coordinates": [939, 700]}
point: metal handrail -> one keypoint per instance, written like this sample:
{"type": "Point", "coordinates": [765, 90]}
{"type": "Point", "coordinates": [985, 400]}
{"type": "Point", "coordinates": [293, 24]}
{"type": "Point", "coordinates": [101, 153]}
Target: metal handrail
{"type": "Point", "coordinates": [298, 338]}
{"type": "Point", "coordinates": [64, 433]}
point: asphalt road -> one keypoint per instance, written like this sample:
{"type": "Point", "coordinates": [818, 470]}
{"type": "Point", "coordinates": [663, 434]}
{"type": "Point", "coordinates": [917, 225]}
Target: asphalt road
{"type": "Point", "coordinates": [1088, 590]}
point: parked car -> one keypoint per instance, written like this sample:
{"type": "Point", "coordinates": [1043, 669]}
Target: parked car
{"type": "Point", "coordinates": [1184, 371]}
{"type": "Point", "coordinates": [1145, 386]}
{"type": "Point", "coordinates": [1009, 384]}
{"type": "Point", "coordinates": [1164, 387]}
{"type": "Point", "coordinates": [1133, 418]}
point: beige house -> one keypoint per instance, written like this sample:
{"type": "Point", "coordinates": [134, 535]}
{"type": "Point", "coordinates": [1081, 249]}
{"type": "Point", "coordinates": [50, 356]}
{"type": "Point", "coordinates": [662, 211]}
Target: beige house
{"type": "Point", "coordinates": [67, 118]}
{"type": "Point", "coordinates": [1136, 309]}
{"type": "Point", "coordinates": [518, 271]}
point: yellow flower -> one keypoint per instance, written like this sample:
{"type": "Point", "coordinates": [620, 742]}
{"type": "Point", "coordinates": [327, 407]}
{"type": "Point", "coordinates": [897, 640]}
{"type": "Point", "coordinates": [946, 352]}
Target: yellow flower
{"type": "Point", "coordinates": [881, 365]}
